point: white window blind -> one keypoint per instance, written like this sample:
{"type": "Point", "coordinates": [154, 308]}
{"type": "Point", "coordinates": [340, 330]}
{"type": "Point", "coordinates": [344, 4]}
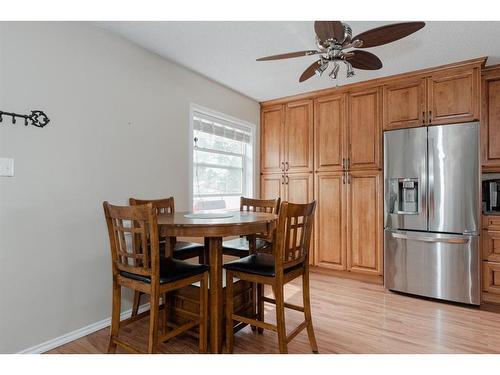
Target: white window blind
{"type": "Point", "coordinates": [222, 128]}
{"type": "Point", "coordinates": [222, 162]}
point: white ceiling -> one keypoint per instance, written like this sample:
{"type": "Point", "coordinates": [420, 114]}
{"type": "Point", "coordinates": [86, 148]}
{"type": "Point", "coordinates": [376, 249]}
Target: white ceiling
{"type": "Point", "coordinates": [226, 51]}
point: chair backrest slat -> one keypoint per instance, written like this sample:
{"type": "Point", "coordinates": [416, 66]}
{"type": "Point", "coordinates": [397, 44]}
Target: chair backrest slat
{"type": "Point", "coordinates": [133, 236]}
{"type": "Point", "coordinates": [293, 234]}
{"type": "Point", "coordinates": [270, 206]}
{"type": "Point", "coordinates": [260, 205]}
{"type": "Point", "coordinates": [162, 206]}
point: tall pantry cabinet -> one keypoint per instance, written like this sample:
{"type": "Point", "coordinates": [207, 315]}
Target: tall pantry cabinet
{"type": "Point", "coordinates": [348, 181]}
{"type": "Point", "coordinates": [333, 143]}
{"type": "Point", "coordinates": [287, 152]}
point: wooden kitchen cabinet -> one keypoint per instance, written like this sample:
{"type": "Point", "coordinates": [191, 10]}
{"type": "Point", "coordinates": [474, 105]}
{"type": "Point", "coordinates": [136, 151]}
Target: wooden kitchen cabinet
{"type": "Point", "coordinates": [299, 188]}
{"type": "Point", "coordinates": [287, 138]}
{"type": "Point", "coordinates": [330, 244]}
{"type": "Point", "coordinates": [271, 145]}
{"type": "Point", "coordinates": [298, 138]}
{"type": "Point", "coordinates": [491, 282]}
{"type": "Point", "coordinates": [295, 187]}
{"type": "Point", "coordinates": [404, 104]}
{"type": "Point", "coordinates": [443, 96]}
{"type": "Point", "coordinates": [330, 133]}
{"type": "Point", "coordinates": [453, 96]}
{"type": "Point", "coordinates": [364, 131]}
{"type": "Point", "coordinates": [491, 245]}
{"type": "Point", "coordinates": [271, 186]}
{"type": "Point", "coordinates": [490, 119]}
{"type": "Point", "coordinates": [364, 222]}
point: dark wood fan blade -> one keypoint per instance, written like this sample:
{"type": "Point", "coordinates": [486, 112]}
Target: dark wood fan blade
{"type": "Point", "coordinates": [309, 72]}
{"type": "Point", "coordinates": [329, 30]}
{"type": "Point", "coordinates": [289, 55]}
{"type": "Point", "coordinates": [364, 60]}
{"type": "Point", "coordinates": [387, 34]}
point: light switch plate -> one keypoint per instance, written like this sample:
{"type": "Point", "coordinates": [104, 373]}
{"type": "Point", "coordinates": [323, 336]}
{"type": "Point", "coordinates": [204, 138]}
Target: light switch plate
{"type": "Point", "coordinates": [6, 167]}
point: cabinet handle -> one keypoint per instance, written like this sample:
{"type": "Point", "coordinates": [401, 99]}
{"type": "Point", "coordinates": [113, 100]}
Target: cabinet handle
{"type": "Point", "coordinates": [283, 166]}
{"type": "Point", "coordinates": [287, 166]}
{"type": "Point", "coordinates": [423, 118]}
{"type": "Point", "coordinates": [348, 163]}
{"type": "Point", "coordinates": [343, 163]}
{"type": "Point", "coordinates": [287, 179]}
{"type": "Point", "coordinates": [343, 178]}
{"type": "Point", "coordinates": [430, 117]}
{"type": "Point", "coordinates": [348, 178]}
{"type": "Point", "coordinates": [282, 179]}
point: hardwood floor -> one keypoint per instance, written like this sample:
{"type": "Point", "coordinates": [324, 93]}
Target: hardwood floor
{"type": "Point", "coordinates": [349, 317]}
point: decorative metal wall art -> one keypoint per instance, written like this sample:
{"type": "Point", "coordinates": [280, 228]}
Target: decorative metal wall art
{"type": "Point", "coordinates": [37, 118]}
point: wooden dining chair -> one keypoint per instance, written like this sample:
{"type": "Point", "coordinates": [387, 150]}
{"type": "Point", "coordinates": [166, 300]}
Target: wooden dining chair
{"type": "Point", "coordinates": [182, 249]}
{"type": "Point", "coordinates": [240, 247]}
{"type": "Point", "coordinates": [136, 264]}
{"type": "Point", "coordinates": [289, 260]}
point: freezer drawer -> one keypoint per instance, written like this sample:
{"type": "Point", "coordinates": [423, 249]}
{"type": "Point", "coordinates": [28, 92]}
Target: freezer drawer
{"type": "Point", "coordinates": [434, 265]}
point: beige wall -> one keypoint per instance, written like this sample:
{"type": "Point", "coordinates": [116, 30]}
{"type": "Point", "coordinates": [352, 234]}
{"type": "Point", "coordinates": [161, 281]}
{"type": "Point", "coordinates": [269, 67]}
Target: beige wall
{"type": "Point", "coordinates": [119, 128]}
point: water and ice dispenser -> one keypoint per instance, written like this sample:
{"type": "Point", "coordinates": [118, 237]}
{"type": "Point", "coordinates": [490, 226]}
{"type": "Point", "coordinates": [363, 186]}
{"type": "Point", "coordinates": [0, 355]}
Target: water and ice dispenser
{"type": "Point", "coordinates": [405, 196]}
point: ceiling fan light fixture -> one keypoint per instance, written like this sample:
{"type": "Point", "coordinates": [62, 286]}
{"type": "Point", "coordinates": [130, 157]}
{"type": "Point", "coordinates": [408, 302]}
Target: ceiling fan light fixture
{"type": "Point", "coordinates": [335, 71]}
{"type": "Point", "coordinates": [350, 70]}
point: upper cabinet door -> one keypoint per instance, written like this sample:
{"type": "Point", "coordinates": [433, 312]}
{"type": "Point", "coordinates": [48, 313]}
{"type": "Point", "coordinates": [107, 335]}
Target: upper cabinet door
{"type": "Point", "coordinates": [490, 121]}
{"type": "Point", "coordinates": [271, 146]}
{"type": "Point", "coordinates": [364, 117]}
{"type": "Point", "coordinates": [329, 137]}
{"type": "Point", "coordinates": [453, 96]}
{"type": "Point", "coordinates": [404, 104]}
{"type": "Point", "coordinates": [299, 136]}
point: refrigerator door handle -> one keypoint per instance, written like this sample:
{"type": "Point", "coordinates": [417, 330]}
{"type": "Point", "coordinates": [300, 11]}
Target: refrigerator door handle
{"type": "Point", "coordinates": [458, 241]}
{"type": "Point", "coordinates": [430, 163]}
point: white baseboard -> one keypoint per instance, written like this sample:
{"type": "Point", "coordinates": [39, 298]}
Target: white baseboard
{"type": "Point", "coordinates": [84, 331]}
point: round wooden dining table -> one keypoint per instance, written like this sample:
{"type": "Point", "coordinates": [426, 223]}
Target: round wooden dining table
{"type": "Point", "coordinates": [213, 230]}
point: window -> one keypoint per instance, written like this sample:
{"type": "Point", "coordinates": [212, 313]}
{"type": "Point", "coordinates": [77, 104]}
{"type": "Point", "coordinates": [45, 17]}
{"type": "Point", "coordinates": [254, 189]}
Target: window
{"type": "Point", "coordinates": [222, 161]}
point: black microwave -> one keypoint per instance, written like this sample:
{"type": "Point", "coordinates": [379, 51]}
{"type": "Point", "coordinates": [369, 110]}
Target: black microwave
{"type": "Point", "coordinates": [491, 193]}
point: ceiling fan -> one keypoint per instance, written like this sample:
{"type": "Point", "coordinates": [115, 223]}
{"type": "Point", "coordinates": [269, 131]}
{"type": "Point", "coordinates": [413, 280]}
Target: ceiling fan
{"type": "Point", "coordinates": [333, 38]}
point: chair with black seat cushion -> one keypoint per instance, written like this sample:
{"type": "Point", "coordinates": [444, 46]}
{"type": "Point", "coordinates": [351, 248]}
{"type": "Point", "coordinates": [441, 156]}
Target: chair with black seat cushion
{"type": "Point", "coordinates": [136, 264]}
{"type": "Point", "coordinates": [182, 250]}
{"type": "Point", "coordinates": [289, 260]}
{"type": "Point", "coordinates": [240, 247]}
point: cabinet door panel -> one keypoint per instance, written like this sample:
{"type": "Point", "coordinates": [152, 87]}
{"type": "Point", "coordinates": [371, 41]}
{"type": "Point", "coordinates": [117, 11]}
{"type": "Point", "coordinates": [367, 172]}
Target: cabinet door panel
{"type": "Point", "coordinates": [330, 220]}
{"type": "Point", "coordinates": [271, 145]}
{"type": "Point", "coordinates": [272, 186]}
{"type": "Point", "coordinates": [299, 136]}
{"type": "Point", "coordinates": [364, 129]}
{"type": "Point", "coordinates": [491, 277]}
{"type": "Point", "coordinates": [491, 245]}
{"type": "Point", "coordinates": [453, 96]}
{"type": "Point", "coordinates": [490, 121]}
{"type": "Point", "coordinates": [364, 223]}
{"type": "Point", "coordinates": [329, 137]}
{"type": "Point", "coordinates": [299, 187]}
{"type": "Point", "coordinates": [404, 104]}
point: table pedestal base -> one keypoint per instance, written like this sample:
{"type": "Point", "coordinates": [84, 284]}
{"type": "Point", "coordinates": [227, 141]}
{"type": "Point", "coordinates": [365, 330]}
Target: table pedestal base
{"type": "Point", "coordinates": [184, 304]}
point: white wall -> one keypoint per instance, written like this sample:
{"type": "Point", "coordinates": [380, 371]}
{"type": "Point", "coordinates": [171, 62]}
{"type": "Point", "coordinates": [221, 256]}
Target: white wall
{"type": "Point", "coordinates": [119, 128]}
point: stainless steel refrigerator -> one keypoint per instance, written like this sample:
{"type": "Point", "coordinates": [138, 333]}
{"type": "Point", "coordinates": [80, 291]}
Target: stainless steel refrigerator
{"type": "Point", "coordinates": [432, 212]}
